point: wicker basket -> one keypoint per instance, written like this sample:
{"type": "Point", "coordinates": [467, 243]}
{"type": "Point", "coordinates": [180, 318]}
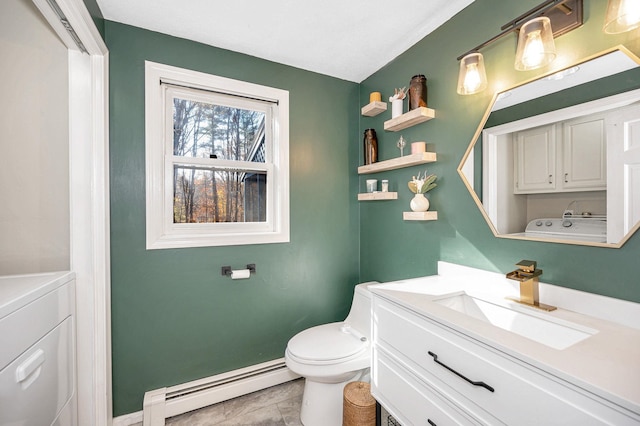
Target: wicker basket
{"type": "Point", "coordinates": [359, 407]}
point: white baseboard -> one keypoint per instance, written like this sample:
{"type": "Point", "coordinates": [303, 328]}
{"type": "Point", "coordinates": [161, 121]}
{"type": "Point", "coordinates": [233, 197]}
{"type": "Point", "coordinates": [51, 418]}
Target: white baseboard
{"type": "Point", "coordinates": [168, 402]}
{"type": "Point", "coordinates": [128, 419]}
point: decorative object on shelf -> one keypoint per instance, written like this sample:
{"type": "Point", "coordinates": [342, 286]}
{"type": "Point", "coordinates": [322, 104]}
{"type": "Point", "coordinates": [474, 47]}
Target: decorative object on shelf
{"type": "Point", "coordinates": [375, 97]}
{"type": "Point", "coordinates": [418, 147]}
{"type": "Point", "coordinates": [397, 102]}
{"type": "Point", "coordinates": [420, 185]}
{"type": "Point", "coordinates": [370, 146]}
{"type": "Point", "coordinates": [401, 144]}
{"type": "Point", "coordinates": [419, 203]}
{"type": "Point", "coordinates": [385, 185]}
{"type": "Point", "coordinates": [372, 185]}
{"type": "Point", "coordinates": [537, 28]}
{"type": "Point", "coordinates": [397, 108]}
{"type": "Point", "coordinates": [418, 92]}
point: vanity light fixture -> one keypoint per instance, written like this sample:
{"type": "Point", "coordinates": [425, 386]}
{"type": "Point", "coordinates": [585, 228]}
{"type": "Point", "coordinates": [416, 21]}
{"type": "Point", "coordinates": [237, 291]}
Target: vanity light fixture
{"type": "Point", "coordinates": [536, 47]}
{"type": "Point", "coordinates": [622, 16]}
{"type": "Point", "coordinates": [472, 78]}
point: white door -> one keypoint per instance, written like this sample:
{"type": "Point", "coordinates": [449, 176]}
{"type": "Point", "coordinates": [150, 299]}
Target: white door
{"type": "Point", "coordinates": [623, 190]}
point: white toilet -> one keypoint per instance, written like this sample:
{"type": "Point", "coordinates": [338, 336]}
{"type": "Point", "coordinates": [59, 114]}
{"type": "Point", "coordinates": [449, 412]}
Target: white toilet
{"type": "Point", "coordinates": [329, 356]}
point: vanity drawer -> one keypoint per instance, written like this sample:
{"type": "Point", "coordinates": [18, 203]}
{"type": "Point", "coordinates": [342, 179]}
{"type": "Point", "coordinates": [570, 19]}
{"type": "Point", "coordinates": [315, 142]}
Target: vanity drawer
{"type": "Point", "coordinates": [410, 400]}
{"type": "Point", "coordinates": [504, 388]}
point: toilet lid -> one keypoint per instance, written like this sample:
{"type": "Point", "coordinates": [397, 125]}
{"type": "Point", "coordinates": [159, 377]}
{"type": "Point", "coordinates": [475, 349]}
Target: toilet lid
{"type": "Point", "coordinates": [325, 342]}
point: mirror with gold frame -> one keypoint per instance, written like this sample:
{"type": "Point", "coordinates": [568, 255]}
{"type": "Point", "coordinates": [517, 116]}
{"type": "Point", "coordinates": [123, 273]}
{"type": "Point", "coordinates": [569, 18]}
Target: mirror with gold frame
{"type": "Point", "coordinates": [557, 159]}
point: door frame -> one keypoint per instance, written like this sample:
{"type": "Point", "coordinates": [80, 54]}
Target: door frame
{"type": "Point", "coordinates": [89, 205]}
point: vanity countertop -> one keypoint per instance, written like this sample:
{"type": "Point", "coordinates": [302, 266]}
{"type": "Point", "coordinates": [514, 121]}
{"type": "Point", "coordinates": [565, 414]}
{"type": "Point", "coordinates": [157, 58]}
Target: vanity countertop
{"type": "Point", "coordinates": [606, 363]}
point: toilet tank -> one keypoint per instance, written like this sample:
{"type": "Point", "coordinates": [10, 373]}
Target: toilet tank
{"type": "Point", "coordinates": [360, 314]}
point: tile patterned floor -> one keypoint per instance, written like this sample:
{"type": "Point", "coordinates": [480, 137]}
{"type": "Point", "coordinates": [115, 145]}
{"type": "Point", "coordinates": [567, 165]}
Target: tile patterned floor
{"type": "Point", "coordinates": [275, 406]}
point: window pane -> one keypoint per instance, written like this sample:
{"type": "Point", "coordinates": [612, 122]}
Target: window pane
{"type": "Point", "coordinates": [204, 129]}
{"type": "Point", "coordinates": [212, 196]}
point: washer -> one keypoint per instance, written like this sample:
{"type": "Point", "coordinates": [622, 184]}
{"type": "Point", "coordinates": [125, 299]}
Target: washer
{"type": "Point", "coordinates": [574, 228]}
{"type": "Point", "coordinates": [37, 354]}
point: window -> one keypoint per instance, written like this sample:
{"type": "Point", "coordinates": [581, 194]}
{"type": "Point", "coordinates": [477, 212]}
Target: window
{"type": "Point", "coordinates": [217, 169]}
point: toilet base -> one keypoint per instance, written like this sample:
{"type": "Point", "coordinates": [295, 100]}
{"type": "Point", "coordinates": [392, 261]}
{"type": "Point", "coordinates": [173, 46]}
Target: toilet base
{"type": "Point", "coordinates": [322, 402]}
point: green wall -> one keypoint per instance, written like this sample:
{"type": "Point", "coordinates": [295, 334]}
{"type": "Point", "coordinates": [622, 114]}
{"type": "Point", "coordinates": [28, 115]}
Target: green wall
{"type": "Point", "coordinates": [174, 317]}
{"type": "Point", "coordinates": [393, 249]}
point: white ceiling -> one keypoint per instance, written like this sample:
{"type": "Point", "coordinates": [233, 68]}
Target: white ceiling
{"type": "Point", "coordinates": [347, 39]}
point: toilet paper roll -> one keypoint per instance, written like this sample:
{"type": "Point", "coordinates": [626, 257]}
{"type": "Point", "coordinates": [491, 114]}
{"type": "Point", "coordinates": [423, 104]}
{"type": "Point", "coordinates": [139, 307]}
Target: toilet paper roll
{"type": "Point", "coordinates": [240, 274]}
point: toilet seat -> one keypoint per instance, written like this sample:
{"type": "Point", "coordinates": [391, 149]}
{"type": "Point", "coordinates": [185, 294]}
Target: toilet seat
{"type": "Point", "coordinates": [326, 343]}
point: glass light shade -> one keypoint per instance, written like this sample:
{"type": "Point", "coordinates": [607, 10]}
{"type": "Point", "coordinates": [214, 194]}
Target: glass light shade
{"type": "Point", "coordinates": [535, 45]}
{"type": "Point", "coordinates": [472, 77]}
{"type": "Point", "coordinates": [622, 16]}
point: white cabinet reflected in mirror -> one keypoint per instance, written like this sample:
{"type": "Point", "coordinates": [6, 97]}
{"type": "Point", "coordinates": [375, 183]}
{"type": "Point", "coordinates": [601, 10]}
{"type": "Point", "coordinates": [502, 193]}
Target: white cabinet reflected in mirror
{"type": "Point", "coordinates": [558, 158]}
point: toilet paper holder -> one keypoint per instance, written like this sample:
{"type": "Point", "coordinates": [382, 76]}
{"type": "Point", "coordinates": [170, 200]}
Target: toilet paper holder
{"type": "Point", "coordinates": [226, 270]}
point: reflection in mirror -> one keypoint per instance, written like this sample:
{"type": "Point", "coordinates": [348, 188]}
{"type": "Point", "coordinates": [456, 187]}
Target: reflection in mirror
{"type": "Point", "coordinates": [558, 159]}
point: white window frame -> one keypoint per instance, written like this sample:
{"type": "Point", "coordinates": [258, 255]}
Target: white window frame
{"type": "Point", "coordinates": [162, 233]}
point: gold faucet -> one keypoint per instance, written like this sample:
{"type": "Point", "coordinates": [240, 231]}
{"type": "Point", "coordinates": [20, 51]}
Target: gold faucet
{"type": "Point", "coordinates": [527, 274]}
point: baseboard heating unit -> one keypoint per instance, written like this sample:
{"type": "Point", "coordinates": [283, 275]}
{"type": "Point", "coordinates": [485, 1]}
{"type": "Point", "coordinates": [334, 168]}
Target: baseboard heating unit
{"type": "Point", "coordinates": [162, 403]}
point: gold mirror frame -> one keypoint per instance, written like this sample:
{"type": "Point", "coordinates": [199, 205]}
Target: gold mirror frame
{"type": "Point", "coordinates": [478, 134]}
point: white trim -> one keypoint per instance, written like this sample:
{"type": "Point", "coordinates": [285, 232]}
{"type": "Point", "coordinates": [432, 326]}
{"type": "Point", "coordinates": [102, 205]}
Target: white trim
{"type": "Point", "coordinates": [490, 176]}
{"type": "Point", "coordinates": [161, 232]}
{"type": "Point", "coordinates": [129, 419]}
{"type": "Point", "coordinates": [163, 403]}
{"type": "Point", "coordinates": [89, 207]}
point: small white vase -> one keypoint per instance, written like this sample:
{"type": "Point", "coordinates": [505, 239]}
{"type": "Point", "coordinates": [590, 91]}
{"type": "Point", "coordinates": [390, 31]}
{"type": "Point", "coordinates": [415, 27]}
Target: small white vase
{"type": "Point", "coordinates": [396, 108]}
{"type": "Point", "coordinates": [419, 203]}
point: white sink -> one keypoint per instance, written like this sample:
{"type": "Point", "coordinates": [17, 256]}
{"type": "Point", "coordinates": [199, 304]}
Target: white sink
{"type": "Point", "coordinates": [558, 334]}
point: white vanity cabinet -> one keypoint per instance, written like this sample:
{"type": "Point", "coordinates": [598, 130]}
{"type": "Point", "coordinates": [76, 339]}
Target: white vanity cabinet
{"type": "Point", "coordinates": [562, 157]}
{"type": "Point", "coordinates": [425, 373]}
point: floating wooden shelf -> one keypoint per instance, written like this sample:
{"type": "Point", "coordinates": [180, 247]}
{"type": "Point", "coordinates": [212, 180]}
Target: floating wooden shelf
{"type": "Point", "coordinates": [372, 196]}
{"type": "Point", "coordinates": [420, 215]}
{"type": "Point", "coordinates": [411, 118]}
{"type": "Point", "coordinates": [374, 108]}
{"type": "Point", "coordinates": [398, 163]}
